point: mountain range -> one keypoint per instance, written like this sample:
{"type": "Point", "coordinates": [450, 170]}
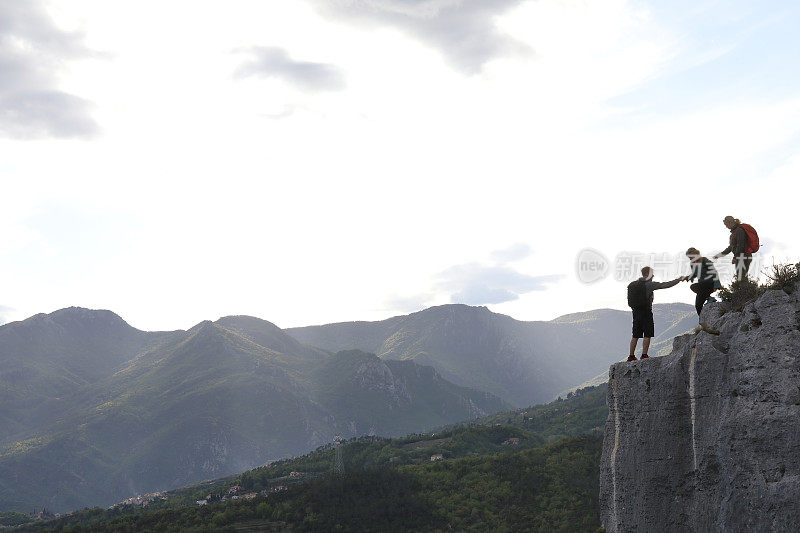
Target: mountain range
{"type": "Point", "coordinates": [95, 410]}
{"type": "Point", "coordinates": [522, 362]}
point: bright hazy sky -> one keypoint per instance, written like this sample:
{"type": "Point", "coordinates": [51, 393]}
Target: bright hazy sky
{"type": "Point", "coordinates": [311, 161]}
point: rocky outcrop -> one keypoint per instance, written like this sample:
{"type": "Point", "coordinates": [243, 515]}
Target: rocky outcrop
{"type": "Point", "coordinates": [708, 437]}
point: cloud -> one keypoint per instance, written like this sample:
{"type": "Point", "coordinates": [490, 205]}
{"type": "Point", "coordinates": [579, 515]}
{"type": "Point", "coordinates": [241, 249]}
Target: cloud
{"type": "Point", "coordinates": [463, 30]}
{"type": "Point", "coordinates": [275, 62]}
{"type": "Point", "coordinates": [476, 284]}
{"type": "Point", "coordinates": [45, 114]}
{"type": "Point", "coordinates": [32, 52]}
{"type": "Point", "coordinates": [515, 252]}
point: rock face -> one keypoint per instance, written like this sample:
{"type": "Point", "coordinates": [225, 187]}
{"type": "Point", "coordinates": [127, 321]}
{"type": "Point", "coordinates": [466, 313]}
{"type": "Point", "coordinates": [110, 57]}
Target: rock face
{"type": "Point", "coordinates": [708, 437]}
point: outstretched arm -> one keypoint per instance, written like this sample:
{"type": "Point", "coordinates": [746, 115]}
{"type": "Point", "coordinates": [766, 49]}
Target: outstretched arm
{"type": "Point", "coordinates": [727, 250]}
{"type": "Point", "coordinates": [667, 284]}
{"type": "Point", "coordinates": [724, 252]}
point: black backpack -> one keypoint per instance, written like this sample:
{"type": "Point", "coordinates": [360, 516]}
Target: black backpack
{"type": "Point", "coordinates": [637, 294]}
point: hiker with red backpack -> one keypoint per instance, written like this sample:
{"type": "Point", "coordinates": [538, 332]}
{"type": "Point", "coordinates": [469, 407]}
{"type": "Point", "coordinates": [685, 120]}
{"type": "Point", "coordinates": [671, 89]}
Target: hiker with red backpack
{"type": "Point", "coordinates": [640, 300]}
{"type": "Point", "coordinates": [743, 243]}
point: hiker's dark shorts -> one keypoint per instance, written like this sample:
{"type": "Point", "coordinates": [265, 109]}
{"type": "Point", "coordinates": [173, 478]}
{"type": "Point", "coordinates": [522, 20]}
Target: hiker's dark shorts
{"type": "Point", "coordinates": [643, 323]}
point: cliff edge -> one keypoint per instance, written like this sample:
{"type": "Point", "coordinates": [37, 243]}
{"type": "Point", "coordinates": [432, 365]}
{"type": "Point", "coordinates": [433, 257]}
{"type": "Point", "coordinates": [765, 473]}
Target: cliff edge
{"type": "Point", "coordinates": [708, 437]}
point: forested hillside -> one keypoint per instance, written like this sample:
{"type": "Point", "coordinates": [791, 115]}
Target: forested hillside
{"type": "Point", "coordinates": [534, 469]}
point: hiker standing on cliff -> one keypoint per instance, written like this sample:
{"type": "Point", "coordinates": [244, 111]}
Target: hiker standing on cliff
{"type": "Point", "coordinates": [743, 243]}
{"type": "Point", "coordinates": [707, 278]}
{"type": "Point", "coordinates": [640, 300]}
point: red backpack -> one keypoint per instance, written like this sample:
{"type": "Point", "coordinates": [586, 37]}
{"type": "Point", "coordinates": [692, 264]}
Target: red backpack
{"type": "Point", "coordinates": [752, 238]}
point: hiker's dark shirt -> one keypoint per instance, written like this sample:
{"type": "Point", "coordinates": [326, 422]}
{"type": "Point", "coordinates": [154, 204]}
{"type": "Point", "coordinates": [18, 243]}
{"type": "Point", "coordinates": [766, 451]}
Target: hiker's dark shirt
{"type": "Point", "coordinates": [737, 243]}
{"type": "Point", "coordinates": [704, 272]}
{"type": "Point", "coordinates": [651, 286]}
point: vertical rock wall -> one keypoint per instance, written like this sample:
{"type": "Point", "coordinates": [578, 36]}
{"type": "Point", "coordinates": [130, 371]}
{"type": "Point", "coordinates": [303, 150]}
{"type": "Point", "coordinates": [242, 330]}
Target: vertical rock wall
{"type": "Point", "coordinates": [708, 437]}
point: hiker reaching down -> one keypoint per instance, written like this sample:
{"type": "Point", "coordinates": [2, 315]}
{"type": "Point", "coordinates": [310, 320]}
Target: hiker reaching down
{"type": "Point", "coordinates": [706, 275]}
{"type": "Point", "coordinates": [743, 243]}
{"type": "Point", "coordinates": [640, 300]}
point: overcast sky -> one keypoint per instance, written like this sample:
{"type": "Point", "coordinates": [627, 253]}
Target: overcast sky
{"type": "Point", "coordinates": [311, 161]}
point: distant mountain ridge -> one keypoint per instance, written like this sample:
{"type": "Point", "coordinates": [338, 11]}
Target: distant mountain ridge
{"type": "Point", "coordinates": [522, 362]}
{"type": "Point", "coordinates": [48, 356]}
{"type": "Point", "coordinates": [120, 411]}
{"type": "Point", "coordinates": [96, 410]}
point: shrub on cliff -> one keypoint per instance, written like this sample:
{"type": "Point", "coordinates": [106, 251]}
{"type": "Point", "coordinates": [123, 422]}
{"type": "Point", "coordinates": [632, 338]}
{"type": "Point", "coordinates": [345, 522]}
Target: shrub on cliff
{"type": "Point", "coordinates": [783, 277]}
{"type": "Point", "coordinates": [740, 292]}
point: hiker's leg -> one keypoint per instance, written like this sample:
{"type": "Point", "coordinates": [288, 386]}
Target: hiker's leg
{"type": "Point", "coordinates": [636, 330]}
{"type": "Point", "coordinates": [746, 264]}
{"type": "Point", "coordinates": [703, 291]}
{"type": "Point", "coordinates": [742, 265]}
{"type": "Point", "coordinates": [649, 331]}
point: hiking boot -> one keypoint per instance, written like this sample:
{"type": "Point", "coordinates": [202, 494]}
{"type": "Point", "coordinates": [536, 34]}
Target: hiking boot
{"type": "Point", "coordinates": [644, 356]}
{"type": "Point", "coordinates": [631, 358]}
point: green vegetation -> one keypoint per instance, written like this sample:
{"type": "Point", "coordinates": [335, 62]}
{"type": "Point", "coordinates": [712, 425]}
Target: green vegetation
{"type": "Point", "coordinates": [783, 277]}
{"type": "Point", "coordinates": [739, 293]}
{"type": "Point", "coordinates": [583, 411]}
{"type": "Point", "coordinates": [550, 488]}
{"type": "Point", "coordinates": [546, 481]}
{"type": "Point", "coordinates": [547, 488]}
{"type": "Point", "coordinates": [13, 518]}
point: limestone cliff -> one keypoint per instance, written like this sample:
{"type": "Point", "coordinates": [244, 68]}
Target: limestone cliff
{"type": "Point", "coordinates": [708, 437]}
